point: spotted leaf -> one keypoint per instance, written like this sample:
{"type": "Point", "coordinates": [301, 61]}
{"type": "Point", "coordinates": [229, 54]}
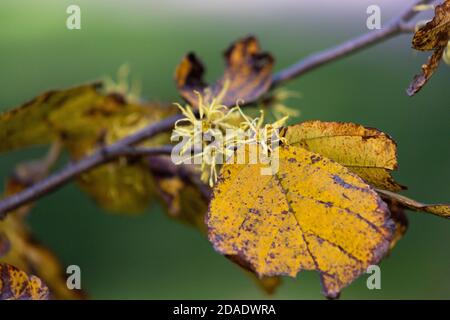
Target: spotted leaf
{"type": "Point", "coordinates": [311, 214]}
{"type": "Point", "coordinates": [369, 153]}
{"type": "Point", "coordinates": [17, 285]}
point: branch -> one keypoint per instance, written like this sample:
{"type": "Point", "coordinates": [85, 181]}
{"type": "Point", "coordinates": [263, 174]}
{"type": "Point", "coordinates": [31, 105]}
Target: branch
{"type": "Point", "coordinates": [124, 147]}
{"type": "Point", "coordinates": [395, 27]}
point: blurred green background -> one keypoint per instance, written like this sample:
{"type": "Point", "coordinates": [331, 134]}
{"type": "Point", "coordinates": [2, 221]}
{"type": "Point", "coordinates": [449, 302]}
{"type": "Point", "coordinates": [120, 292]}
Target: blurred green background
{"type": "Point", "coordinates": [150, 256]}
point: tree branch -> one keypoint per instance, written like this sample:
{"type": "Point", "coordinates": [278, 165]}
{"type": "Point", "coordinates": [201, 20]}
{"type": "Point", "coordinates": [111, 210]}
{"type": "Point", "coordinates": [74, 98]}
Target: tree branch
{"type": "Point", "coordinates": [124, 147]}
{"type": "Point", "coordinates": [395, 27]}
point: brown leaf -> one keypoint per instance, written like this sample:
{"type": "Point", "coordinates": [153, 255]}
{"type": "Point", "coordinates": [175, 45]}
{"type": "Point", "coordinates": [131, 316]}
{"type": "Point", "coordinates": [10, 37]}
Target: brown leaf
{"type": "Point", "coordinates": [435, 33]}
{"type": "Point", "coordinates": [428, 69]}
{"type": "Point", "coordinates": [433, 36]}
{"type": "Point", "coordinates": [17, 285]}
{"type": "Point", "coordinates": [247, 76]}
{"type": "Point", "coordinates": [175, 186]}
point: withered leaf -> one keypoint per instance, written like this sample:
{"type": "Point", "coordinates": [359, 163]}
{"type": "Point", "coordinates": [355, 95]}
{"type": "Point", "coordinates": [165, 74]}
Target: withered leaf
{"type": "Point", "coordinates": [428, 70]}
{"type": "Point", "coordinates": [182, 198]}
{"type": "Point", "coordinates": [433, 36]}
{"type": "Point", "coordinates": [436, 32]}
{"type": "Point", "coordinates": [368, 152]}
{"type": "Point", "coordinates": [247, 76]}
{"type": "Point", "coordinates": [312, 214]}
{"type": "Point", "coordinates": [17, 285]}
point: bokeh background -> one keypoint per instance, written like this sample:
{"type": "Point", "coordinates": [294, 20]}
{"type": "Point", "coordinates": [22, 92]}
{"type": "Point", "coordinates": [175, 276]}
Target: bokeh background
{"type": "Point", "coordinates": [151, 257]}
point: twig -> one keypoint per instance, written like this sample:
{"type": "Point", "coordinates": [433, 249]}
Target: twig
{"type": "Point", "coordinates": [122, 148]}
{"type": "Point", "coordinates": [439, 209]}
{"type": "Point", "coordinates": [140, 152]}
{"type": "Point", "coordinates": [165, 167]}
{"type": "Point", "coordinates": [397, 26]}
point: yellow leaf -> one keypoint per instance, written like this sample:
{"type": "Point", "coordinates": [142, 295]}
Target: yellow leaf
{"type": "Point", "coordinates": [369, 153]}
{"type": "Point", "coordinates": [313, 214]}
{"type": "Point", "coordinates": [123, 185]}
{"type": "Point", "coordinates": [83, 118]}
{"type": "Point", "coordinates": [42, 119]}
{"type": "Point", "coordinates": [17, 285]}
{"type": "Point", "coordinates": [119, 186]}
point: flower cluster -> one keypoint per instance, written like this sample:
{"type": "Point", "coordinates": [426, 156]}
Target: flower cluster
{"type": "Point", "coordinates": [212, 133]}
